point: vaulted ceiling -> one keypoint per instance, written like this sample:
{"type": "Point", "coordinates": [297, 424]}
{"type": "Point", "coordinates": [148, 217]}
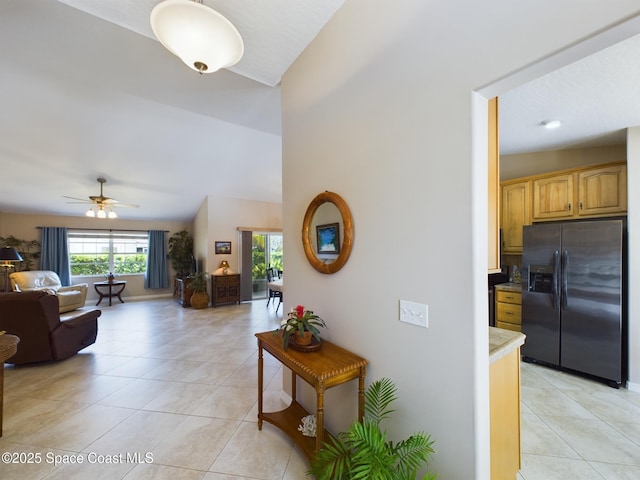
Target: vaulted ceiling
{"type": "Point", "coordinates": [88, 92]}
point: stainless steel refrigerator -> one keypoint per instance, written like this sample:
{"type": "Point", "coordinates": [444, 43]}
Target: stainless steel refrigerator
{"type": "Point", "coordinates": [572, 296]}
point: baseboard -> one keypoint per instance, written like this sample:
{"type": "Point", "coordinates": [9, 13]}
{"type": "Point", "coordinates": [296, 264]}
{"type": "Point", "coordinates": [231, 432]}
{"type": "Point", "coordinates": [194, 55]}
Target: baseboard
{"type": "Point", "coordinates": [633, 387]}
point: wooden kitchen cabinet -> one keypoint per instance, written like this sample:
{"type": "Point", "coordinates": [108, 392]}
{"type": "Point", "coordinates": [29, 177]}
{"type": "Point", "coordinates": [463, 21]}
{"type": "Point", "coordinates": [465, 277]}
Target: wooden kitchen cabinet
{"type": "Point", "coordinates": [508, 309]}
{"type": "Point", "coordinates": [553, 197]}
{"type": "Point", "coordinates": [516, 213]}
{"type": "Point", "coordinates": [493, 258]}
{"type": "Point", "coordinates": [504, 401]}
{"type": "Point", "coordinates": [225, 289]}
{"type": "Point", "coordinates": [588, 192]}
{"type": "Point", "coordinates": [602, 191]}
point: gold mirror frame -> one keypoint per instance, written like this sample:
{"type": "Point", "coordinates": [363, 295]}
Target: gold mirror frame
{"type": "Point", "coordinates": [347, 226]}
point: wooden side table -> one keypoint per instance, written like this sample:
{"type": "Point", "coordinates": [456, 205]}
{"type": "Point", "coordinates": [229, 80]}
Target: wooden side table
{"type": "Point", "coordinates": [106, 289]}
{"type": "Point", "coordinates": [322, 369]}
{"type": "Point", "coordinates": [8, 348]}
{"type": "Point", "coordinates": [225, 289]}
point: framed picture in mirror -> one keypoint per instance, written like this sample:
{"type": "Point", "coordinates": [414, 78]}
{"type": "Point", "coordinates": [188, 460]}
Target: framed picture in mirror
{"type": "Point", "coordinates": [328, 238]}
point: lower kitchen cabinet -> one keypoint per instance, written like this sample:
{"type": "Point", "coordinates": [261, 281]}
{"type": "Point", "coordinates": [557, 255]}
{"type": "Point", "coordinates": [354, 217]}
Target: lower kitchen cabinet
{"type": "Point", "coordinates": [508, 308]}
{"type": "Point", "coordinates": [504, 401]}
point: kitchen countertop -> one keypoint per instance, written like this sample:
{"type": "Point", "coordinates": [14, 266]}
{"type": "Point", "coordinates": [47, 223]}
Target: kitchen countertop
{"type": "Point", "coordinates": [503, 342]}
{"type": "Point", "coordinates": [509, 287]}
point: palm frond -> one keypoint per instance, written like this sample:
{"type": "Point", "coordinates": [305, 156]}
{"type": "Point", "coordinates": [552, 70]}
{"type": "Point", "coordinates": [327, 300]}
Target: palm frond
{"type": "Point", "coordinates": [412, 453]}
{"type": "Point", "coordinates": [378, 397]}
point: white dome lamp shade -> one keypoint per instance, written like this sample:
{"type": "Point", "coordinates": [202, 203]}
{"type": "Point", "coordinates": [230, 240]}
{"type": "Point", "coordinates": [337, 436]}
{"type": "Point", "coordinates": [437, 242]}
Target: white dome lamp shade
{"type": "Point", "coordinates": [201, 37]}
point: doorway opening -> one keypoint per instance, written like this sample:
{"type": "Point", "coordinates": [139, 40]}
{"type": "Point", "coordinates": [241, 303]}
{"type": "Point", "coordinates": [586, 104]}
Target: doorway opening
{"type": "Point", "coordinates": [266, 252]}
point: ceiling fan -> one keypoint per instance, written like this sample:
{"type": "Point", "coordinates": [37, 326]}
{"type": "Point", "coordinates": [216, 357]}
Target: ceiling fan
{"type": "Point", "coordinates": [101, 203]}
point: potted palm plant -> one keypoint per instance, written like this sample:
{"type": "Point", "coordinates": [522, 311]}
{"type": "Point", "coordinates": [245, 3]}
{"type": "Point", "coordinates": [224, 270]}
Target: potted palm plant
{"type": "Point", "coordinates": [199, 285]}
{"type": "Point", "coordinates": [363, 451]}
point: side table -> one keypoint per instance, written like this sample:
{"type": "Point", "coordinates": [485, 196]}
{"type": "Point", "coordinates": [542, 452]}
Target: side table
{"type": "Point", "coordinates": [8, 348]}
{"type": "Point", "coordinates": [110, 289]}
{"type": "Point", "coordinates": [322, 369]}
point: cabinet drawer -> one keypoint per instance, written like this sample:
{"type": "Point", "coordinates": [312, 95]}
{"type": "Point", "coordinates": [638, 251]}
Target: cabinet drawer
{"type": "Point", "coordinates": [509, 297]}
{"type": "Point", "coordinates": [509, 312]}
{"type": "Point", "coordinates": [508, 326]}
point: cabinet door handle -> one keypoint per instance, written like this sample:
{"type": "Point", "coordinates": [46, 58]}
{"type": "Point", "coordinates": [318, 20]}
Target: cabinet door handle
{"type": "Point", "coordinates": [580, 205]}
{"type": "Point", "coordinates": [569, 207]}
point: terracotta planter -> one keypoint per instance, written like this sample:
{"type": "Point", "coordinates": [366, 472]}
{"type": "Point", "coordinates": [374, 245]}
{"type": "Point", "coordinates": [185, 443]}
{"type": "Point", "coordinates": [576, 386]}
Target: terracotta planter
{"type": "Point", "coordinates": [199, 300]}
{"type": "Point", "coordinates": [304, 338]}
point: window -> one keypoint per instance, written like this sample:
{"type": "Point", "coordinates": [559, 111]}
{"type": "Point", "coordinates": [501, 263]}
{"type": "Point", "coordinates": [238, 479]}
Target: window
{"type": "Point", "coordinates": [101, 252]}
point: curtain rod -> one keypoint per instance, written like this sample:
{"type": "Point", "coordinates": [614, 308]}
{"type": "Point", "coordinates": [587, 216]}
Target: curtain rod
{"type": "Point", "coordinates": [109, 229]}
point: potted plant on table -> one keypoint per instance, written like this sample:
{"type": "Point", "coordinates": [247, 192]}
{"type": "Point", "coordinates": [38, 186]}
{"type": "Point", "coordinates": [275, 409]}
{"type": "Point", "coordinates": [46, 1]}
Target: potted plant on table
{"type": "Point", "coordinates": [363, 451]}
{"type": "Point", "coordinates": [301, 324]}
{"type": "Point", "coordinates": [199, 285]}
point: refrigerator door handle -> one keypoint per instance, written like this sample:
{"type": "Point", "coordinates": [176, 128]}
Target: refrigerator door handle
{"type": "Point", "coordinates": [556, 279]}
{"type": "Point", "coordinates": [565, 287]}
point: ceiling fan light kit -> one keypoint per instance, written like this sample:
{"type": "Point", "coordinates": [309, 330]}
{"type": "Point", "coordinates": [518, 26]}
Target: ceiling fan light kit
{"type": "Point", "coordinates": [101, 204]}
{"type": "Point", "coordinates": [201, 37]}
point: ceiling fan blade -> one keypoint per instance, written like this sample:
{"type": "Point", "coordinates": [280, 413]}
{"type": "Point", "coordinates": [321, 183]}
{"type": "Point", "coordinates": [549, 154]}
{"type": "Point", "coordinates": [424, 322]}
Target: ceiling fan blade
{"type": "Point", "coordinates": [118, 204]}
{"type": "Point", "coordinates": [83, 200]}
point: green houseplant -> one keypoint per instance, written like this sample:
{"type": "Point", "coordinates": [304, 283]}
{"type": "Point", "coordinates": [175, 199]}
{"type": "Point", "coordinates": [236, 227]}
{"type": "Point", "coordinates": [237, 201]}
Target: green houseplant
{"type": "Point", "coordinates": [199, 285]}
{"type": "Point", "coordinates": [363, 451]}
{"type": "Point", "coordinates": [181, 253]}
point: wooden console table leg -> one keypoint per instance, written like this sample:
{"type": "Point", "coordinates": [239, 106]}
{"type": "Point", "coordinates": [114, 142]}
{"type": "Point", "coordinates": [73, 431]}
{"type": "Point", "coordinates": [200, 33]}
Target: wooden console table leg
{"type": "Point", "coordinates": [260, 380]}
{"type": "Point", "coordinates": [363, 373]}
{"type": "Point", "coordinates": [319, 416]}
{"type": "Point", "coordinates": [293, 386]}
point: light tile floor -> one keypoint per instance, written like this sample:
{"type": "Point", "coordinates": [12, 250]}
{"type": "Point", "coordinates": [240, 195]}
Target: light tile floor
{"type": "Point", "coordinates": [576, 428]}
{"type": "Point", "coordinates": [165, 393]}
{"type": "Point", "coordinates": [170, 393]}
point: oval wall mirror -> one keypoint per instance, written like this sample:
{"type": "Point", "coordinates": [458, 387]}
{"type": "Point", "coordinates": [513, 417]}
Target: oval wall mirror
{"type": "Point", "coordinates": [327, 232]}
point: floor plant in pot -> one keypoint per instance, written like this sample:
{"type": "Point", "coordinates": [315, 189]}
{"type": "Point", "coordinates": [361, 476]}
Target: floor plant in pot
{"type": "Point", "coordinates": [199, 285]}
{"type": "Point", "coordinates": [363, 451]}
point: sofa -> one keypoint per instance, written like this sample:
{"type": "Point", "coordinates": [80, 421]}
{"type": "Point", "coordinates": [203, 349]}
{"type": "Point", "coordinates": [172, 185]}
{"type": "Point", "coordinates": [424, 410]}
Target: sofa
{"type": "Point", "coordinates": [69, 298]}
{"type": "Point", "coordinates": [45, 334]}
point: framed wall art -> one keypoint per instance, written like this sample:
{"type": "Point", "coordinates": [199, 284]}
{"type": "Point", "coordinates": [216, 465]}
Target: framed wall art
{"type": "Point", "coordinates": [223, 248]}
{"type": "Point", "coordinates": [328, 238]}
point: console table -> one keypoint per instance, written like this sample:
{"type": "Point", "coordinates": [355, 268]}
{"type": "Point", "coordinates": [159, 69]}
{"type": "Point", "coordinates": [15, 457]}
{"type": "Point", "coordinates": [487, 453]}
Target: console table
{"type": "Point", "coordinates": [120, 284]}
{"type": "Point", "coordinates": [322, 369]}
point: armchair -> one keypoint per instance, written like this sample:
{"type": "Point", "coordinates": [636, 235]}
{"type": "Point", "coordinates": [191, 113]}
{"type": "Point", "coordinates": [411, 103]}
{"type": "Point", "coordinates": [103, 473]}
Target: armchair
{"type": "Point", "coordinates": [69, 298]}
{"type": "Point", "coordinates": [44, 334]}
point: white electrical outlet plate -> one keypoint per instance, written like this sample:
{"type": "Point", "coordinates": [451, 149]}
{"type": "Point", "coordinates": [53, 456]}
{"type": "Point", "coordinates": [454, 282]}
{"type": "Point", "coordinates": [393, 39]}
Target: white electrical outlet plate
{"type": "Point", "coordinates": [414, 313]}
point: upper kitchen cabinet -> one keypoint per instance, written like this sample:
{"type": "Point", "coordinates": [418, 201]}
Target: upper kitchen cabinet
{"type": "Point", "coordinates": [603, 191]}
{"type": "Point", "coordinates": [516, 213]}
{"type": "Point", "coordinates": [581, 193]}
{"type": "Point", "coordinates": [553, 197]}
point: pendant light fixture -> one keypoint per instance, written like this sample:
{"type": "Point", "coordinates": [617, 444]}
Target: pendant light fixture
{"type": "Point", "coordinates": [201, 37]}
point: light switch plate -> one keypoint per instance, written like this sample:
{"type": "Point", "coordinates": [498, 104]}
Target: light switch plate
{"type": "Point", "coordinates": [414, 313]}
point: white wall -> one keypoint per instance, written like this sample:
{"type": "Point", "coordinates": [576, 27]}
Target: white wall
{"type": "Point", "coordinates": [534, 163]}
{"type": "Point", "coordinates": [225, 215]}
{"type": "Point", "coordinates": [379, 110]}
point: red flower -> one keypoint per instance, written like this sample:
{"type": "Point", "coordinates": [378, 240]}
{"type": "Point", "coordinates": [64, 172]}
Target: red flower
{"type": "Point", "coordinates": [300, 311]}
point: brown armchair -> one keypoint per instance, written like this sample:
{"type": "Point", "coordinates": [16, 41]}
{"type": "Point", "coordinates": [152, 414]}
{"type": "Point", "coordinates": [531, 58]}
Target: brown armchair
{"type": "Point", "coordinates": [44, 334]}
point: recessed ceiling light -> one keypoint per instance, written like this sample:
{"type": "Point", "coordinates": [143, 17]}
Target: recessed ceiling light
{"type": "Point", "coordinates": [551, 124]}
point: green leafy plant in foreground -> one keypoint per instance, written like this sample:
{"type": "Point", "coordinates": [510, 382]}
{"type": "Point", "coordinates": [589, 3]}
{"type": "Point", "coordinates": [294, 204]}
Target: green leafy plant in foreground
{"type": "Point", "coordinates": [363, 451]}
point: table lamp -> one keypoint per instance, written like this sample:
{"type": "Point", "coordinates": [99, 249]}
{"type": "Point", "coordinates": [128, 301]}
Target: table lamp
{"type": "Point", "coordinates": [8, 255]}
{"type": "Point", "coordinates": [224, 265]}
